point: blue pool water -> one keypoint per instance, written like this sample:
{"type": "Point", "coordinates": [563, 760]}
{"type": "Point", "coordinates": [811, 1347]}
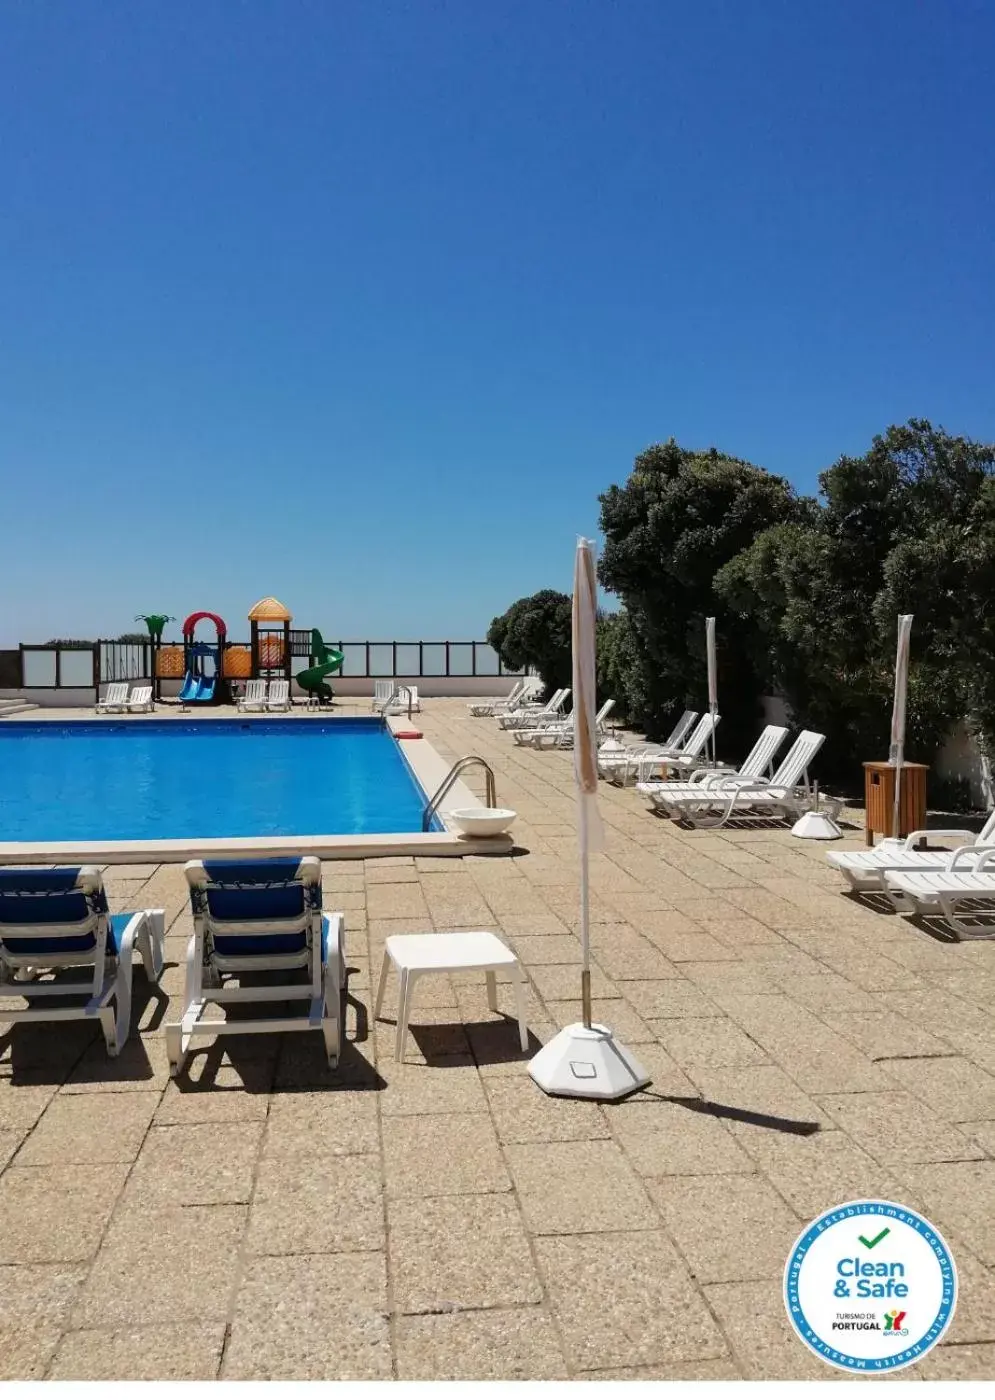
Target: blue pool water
{"type": "Point", "coordinates": [160, 779]}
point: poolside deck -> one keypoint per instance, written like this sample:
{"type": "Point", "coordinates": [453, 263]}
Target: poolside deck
{"type": "Point", "coordinates": [265, 1218]}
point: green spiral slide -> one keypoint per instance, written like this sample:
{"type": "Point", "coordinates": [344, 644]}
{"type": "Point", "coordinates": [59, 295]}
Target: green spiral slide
{"type": "Point", "coordinates": [325, 660]}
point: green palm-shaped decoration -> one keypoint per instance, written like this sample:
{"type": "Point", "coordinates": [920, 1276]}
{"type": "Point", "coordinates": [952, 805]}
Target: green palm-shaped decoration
{"type": "Point", "coordinates": [156, 623]}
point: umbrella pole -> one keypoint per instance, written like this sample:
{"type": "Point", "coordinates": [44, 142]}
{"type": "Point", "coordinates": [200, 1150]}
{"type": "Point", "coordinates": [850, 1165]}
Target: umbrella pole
{"type": "Point", "coordinates": [585, 917]}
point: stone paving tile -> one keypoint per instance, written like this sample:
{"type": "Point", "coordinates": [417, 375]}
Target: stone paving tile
{"type": "Point", "coordinates": [199, 1164]}
{"type": "Point", "coordinates": [523, 1113]}
{"type": "Point", "coordinates": [35, 1300]}
{"type": "Point", "coordinates": [753, 1317]}
{"type": "Point", "coordinates": [665, 1138]}
{"type": "Point", "coordinates": [673, 999]}
{"type": "Point", "coordinates": [171, 1291]}
{"type": "Point", "coordinates": [176, 1352]}
{"type": "Point", "coordinates": [718, 1370]}
{"type": "Point", "coordinates": [310, 1318]}
{"type": "Point", "coordinates": [708, 1041]}
{"type": "Point", "coordinates": [575, 1187]}
{"type": "Point", "coordinates": [614, 1012]}
{"type": "Point", "coordinates": [80, 1130]}
{"type": "Point", "coordinates": [414, 1166]}
{"type": "Point", "coordinates": [556, 982]}
{"type": "Point", "coordinates": [952, 1087]}
{"type": "Point", "coordinates": [502, 1344]}
{"type": "Point", "coordinates": [626, 1300]}
{"type": "Point", "coordinates": [53, 1216]}
{"type": "Point", "coordinates": [895, 1127]}
{"type": "Point", "coordinates": [884, 1036]}
{"type": "Point", "coordinates": [813, 1173]}
{"type": "Point", "coordinates": [141, 1066]}
{"type": "Point", "coordinates": [21, 1105]}
{"type": "Point", "coordinates": [982, 1133]}
{"type": "Point", "coordinates": [447, 1085]}
{"type": "Point", "coordinates": [536, 950]}
{"type": "Point", "coordinates": [957, 1197]}
{"type": "Point", "coordinates": [625, 955]}
{"type": "Point", "coordinates": [456, 1252]}
{"type": "Point", "coordinates": [960, 1363]}
{"type": "Point", "coordinates": [731, 1229]}
{"type": "Point", "coordinates": [309, 1203]}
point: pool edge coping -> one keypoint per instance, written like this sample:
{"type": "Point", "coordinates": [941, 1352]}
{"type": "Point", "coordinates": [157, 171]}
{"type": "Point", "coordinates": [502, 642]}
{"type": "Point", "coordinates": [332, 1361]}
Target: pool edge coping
{"type": "Point", "coordinates": [427, 766]}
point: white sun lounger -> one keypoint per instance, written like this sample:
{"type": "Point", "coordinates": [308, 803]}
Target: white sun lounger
{"type": "Point", "coordinates": [786, 794]}
{"type": "Point", "coordinates": [381, 694]}
{"type": "Point", "coordinates": [759, 763]}
{"type": "Point", "coordinates": [687, 757]}
{"type": "Point", "coordinates": [526, 685]}
{"type": "Point", "coordinates": [254, 697]}
{"type": "Point", "coordinates": [560, 736]}
{"type": "Point", "coordinates": [256, 917]}
{"type": "Point", "coordinates": [621, 762]}
{"type": "Point", "coordinates": [867, 870]}
{"type": "Point", "coordinates": [964, 893]}
{"type": "Point", "coordinates": [533, 716]}
{"type": "Point", "coordinates": [53, 920]}
{"type": "Point", "coordinates": [115, 698]}
{"type": "Point", "coordinates": [141, 699]}
{"type": "Point", "coordinates": [279, 695]}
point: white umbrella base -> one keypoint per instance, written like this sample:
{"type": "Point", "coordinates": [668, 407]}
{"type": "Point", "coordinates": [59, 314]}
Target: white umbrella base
{"type": "Point", "coordinates": [816, 826]}
{"type": "Point", "coordinates": [587, 1062]}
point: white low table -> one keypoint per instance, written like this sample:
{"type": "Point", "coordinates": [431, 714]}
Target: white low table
{"type": "Point", "coordinates": [415, 954]}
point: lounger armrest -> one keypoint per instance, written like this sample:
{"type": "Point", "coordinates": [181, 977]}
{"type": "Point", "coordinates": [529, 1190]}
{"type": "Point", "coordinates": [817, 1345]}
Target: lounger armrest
{"type": "Point", "coordinates": [986, 859]}
{"type": "Point", "coordinates": [967, 852]}
{"type": "Point", "coordinates": [705, 775]}
{"type": "Point", "coordinates": [916, 836]}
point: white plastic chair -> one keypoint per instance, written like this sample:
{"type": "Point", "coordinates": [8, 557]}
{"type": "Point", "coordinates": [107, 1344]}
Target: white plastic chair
{"type": "Point", "coordinates": [141, 699]}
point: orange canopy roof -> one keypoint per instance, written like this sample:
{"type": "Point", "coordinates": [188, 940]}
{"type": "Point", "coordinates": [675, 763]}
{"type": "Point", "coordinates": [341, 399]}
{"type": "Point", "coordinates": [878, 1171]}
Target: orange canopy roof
{"type": "Point", "coordinates": [270, 610]}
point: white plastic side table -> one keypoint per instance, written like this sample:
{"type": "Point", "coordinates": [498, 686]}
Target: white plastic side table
{"type": "Point", "coordinates": [415, 954]}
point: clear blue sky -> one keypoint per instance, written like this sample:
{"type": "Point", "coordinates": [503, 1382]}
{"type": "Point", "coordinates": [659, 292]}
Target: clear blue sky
{"type": "Point", "coordinates": [362, 304]}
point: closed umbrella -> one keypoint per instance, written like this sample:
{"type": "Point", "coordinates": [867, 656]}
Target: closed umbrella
{"type": "Point", "coordinates": [896, 752]}
{"type": "Point", "coordinates": [585, 1060]}
{"type": "Point", "coordinates": [713, 682]}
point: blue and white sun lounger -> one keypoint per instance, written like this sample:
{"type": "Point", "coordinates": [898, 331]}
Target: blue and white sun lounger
{"type": "Point", "coordinates": [257, 917]}
{"type": "Point", "coordinates": [52, 920]}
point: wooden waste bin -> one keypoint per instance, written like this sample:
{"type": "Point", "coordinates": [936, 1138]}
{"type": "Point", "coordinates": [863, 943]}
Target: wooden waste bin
{"type": "Point", "coordinates": [879, 800]}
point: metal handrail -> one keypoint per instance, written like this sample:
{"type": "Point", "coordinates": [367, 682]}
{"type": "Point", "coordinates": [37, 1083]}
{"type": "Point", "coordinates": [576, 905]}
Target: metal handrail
{"type": "Point", "coordinates": [395, 694]}
{"type": "Point", "coordinates": [458, 767]}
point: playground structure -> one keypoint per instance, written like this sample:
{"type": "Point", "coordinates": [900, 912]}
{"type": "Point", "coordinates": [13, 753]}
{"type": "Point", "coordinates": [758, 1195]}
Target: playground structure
{"type": "Point", "coordinates": [204, 662]}
{"type": "Point", "coordinates": [206, 668]}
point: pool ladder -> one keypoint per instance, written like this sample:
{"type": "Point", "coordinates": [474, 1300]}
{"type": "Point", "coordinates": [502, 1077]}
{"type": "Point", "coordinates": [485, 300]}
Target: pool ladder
{"type": "Point", "coordinates": [460, 766]}
{"type": "Point", "coordinates": [397, 691]}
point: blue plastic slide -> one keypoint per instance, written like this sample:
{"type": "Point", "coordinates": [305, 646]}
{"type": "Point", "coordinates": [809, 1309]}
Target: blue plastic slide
{"type": "Point", "coordinates": [196, 689]}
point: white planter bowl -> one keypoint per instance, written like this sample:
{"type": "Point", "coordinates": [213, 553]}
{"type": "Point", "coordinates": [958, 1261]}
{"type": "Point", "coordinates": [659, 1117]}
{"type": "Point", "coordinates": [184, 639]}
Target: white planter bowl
{"type": "Point", "coordinates": [481, 821]}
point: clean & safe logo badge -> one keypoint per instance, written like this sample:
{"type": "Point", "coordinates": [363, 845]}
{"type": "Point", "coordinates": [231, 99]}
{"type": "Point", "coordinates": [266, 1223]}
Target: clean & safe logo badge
{"type": "Point", "coordinates": [870, 1286]}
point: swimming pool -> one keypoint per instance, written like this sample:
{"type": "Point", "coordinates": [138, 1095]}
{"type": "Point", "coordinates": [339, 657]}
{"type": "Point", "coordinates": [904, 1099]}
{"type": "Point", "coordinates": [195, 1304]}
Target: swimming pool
{"type": "Point", "coordinates": [140, 780]}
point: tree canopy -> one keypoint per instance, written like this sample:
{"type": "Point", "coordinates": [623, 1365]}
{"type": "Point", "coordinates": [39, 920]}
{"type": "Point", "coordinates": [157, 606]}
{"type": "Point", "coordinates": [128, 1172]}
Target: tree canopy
{"type": "Point", "coordinates": [535, 633]}
{"type": "Point", "coordinates": [678, 518]}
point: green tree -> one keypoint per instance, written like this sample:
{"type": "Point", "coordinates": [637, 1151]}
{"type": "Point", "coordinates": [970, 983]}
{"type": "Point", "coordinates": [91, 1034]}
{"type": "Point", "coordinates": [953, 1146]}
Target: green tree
{"type": "Point", "coordinates": [535, 632]}
{"type": "Point", "coordinates": [908, 527]}
{"type": "Point", "coordinates": [678, 519]}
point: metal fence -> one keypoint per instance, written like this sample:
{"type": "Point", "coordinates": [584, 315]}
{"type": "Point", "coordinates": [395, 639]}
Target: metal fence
{"type": "Point", "coordinates": [86, 666]}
